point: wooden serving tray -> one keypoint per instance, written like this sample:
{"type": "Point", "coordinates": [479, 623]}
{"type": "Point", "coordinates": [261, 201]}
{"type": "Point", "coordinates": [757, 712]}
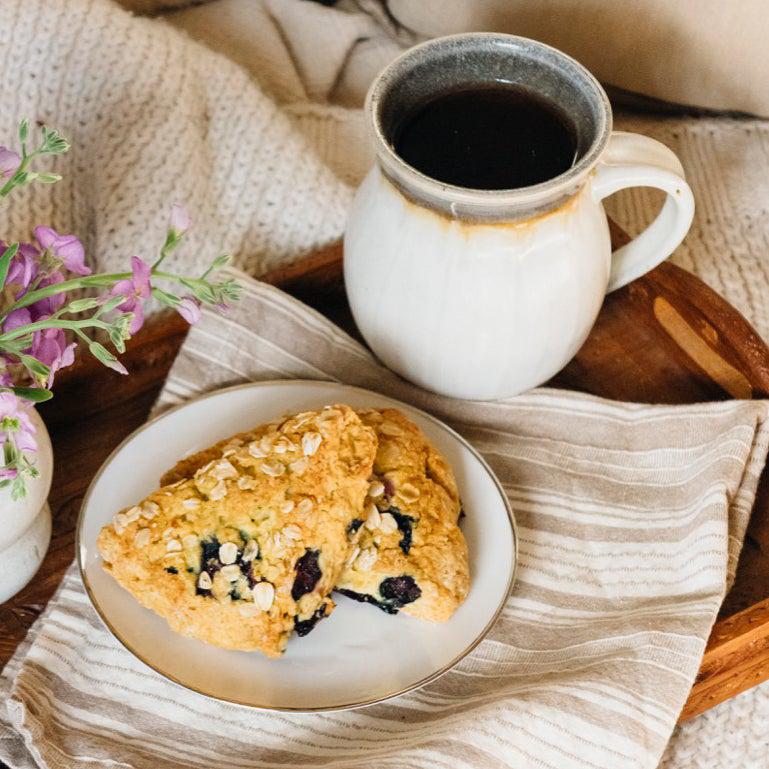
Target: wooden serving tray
{"type": "Point", "coordinates": [665, 338]}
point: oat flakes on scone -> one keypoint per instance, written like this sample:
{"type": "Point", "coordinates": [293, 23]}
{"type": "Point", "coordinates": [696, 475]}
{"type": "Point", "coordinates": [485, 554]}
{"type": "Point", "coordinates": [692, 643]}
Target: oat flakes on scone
{"type": "Point", "coordinates": [409, 553]}
{"type": "Point", "coordinates": [247, 548]}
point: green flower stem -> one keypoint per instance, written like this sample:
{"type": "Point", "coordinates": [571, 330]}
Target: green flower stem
{"type": "Point", "coordinates": [168, 276]}
{"type": "Point", "coordinates": [43, 324]}
{"type": "Point", "coordinates": [6, 189]}
{"type": "Point", "coordinates": [171, 242]}
{"type": "Point", "coordinates": [84, 337]}
{"type": "Point", "coordinates": [26, 159]}
{"type": "Point", "coordinates": [88, 281]}
{"type": "Point", "coordinates": [52, 144]}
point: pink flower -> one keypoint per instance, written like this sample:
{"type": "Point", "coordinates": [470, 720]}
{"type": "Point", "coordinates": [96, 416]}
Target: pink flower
{"type": "Point", "coordinates": [9, 162]}
{"type": "Point", "coordinates": [180, 219]}
{"type": "Point", "coordinates": [23, 267]}
{"type": "Point", "coordinates": [15, 423]}
{"type": "Point", "coordinates": [50, 348]}
{"type": "Point", "coordinates": [65, 247]}
{"type": "Point", "coordinates": [8, 473]}
{"type": "Point", "coordinates": [189, 309]}
{"type": "Point", "coordinates": [50, 304]}
{"type": "Point", "coordinates": [16, 319]}
{"type": "Point", "coordinates": [134, 290]}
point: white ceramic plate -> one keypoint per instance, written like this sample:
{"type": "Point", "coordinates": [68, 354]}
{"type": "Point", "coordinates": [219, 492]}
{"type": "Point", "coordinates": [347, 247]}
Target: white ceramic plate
{"type": "Point", "coordinates": [359, 655]}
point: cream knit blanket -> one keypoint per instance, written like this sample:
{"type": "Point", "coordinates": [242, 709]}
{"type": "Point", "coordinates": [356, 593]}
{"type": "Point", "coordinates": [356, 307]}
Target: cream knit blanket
{"type": "Point", "coordinates": [265, 164]}
{"type": "Point", "coordinates": [153, 119]}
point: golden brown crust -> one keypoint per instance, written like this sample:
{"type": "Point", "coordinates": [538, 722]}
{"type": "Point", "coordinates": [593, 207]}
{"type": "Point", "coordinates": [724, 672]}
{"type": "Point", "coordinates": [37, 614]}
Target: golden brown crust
{"type": "Point", "coordinates": [406, 464]}
{"type": "Point", "coordinates": [410, 543]}
{"type": "Point", "coordinates": [254, 538]}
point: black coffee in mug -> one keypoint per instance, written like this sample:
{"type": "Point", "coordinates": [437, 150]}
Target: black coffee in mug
{"type": "Point", "coordinates": [488, 137]}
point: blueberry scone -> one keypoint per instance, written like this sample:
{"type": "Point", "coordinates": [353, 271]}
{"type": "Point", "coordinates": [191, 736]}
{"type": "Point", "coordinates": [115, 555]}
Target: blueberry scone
{"type": "Point", "coordinates": [409, 551]}
{"type": "Point", "coordinates": [247, 548]}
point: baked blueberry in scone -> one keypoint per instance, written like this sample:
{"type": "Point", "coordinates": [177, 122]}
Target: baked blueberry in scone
{"type": "Point", "coordinates": [409, 552]}
{"type": "Point", "coordinates": [247, 548]}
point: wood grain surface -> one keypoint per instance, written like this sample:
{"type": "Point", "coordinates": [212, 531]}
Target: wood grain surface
{"type": "Point", "coordinates": [665, 338]}
{"type": "Point", "coordinates": [736, 658]}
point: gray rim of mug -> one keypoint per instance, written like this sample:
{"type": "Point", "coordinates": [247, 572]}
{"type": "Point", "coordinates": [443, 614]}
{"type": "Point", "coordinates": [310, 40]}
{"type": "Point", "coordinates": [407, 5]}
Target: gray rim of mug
{"type": "Point", "coordinates": [537, 194]}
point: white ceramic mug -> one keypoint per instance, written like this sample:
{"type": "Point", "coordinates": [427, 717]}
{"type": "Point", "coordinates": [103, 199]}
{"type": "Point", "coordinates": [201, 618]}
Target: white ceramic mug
{"type": "Point", "coordinates": [482, 294]}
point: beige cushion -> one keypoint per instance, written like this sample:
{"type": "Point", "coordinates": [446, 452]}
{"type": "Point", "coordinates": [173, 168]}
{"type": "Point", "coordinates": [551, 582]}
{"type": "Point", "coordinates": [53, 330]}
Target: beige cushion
{"type": "Point", "coordinates": [707, 53]}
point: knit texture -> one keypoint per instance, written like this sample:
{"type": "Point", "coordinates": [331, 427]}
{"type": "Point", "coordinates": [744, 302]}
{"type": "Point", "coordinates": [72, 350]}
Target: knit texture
{"type": "Point", "coordinates": [732, 735]}
{"type": "Point", "coordinates": [155, 118]}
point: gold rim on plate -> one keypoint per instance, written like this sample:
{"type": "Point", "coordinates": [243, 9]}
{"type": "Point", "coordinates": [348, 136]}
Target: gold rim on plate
{"type": "Point", "coordinates": [323, 708]}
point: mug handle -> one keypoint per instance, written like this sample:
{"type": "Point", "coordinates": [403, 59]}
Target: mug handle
{"type": "Point", "coordinates": [632, 160]}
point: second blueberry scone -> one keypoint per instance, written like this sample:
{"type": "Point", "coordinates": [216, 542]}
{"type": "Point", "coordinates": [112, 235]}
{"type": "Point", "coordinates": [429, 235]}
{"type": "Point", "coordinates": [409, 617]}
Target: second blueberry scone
{"type": "Point", "coordinates": [248, 548]}
{"type": "Point", "coordinates": [409, 552]}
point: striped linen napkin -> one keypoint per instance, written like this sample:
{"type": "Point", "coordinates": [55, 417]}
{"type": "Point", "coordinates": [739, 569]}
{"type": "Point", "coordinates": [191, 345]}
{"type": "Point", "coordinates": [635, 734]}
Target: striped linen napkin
{"type": "Point", "coordinates": [631, 518]}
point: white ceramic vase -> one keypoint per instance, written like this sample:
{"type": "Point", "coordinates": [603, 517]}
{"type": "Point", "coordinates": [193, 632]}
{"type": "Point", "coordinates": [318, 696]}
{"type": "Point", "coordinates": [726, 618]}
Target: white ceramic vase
{"type": "Point", "coordinates": [25, 524]}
